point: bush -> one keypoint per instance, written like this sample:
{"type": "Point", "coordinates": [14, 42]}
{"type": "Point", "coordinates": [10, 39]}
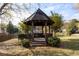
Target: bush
{"type": "Point", "coordinates": [22, 36]}
{"type": "Point", "coordinates": [54, 41]}
{"type": "Point", "coordinates": [25, 43]}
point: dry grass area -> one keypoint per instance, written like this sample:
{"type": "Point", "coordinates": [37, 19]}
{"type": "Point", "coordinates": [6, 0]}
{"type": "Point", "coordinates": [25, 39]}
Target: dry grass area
{"type": "Point", "coordinates": [69, 47]}
{"type": "Point", "coordinates": [11, 47]}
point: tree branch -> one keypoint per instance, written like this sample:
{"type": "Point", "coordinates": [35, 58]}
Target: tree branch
{"type": "Point", "coordinates": [2, 7]}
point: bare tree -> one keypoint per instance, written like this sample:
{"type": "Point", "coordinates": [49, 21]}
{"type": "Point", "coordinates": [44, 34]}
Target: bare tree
{"type": "Point", "coordinates": [2, 11]}
{"type": "Point", "coordinates": [3, 7]}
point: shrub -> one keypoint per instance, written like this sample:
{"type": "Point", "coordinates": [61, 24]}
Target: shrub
{"type": "Point", "coordinates": [22, 36]}
{"type": "Point", "coordinates": [25, 43]}
{"type": "Point", "coordinates": [54, 41]}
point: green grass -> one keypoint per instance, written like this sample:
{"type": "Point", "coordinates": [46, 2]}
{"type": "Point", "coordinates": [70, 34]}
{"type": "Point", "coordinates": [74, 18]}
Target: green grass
{"type": "Point", "coordinates": [70, 42]}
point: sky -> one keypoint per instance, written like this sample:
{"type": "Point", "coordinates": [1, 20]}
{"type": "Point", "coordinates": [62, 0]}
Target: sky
{"type": "Point", "coordinates": [67, 10]}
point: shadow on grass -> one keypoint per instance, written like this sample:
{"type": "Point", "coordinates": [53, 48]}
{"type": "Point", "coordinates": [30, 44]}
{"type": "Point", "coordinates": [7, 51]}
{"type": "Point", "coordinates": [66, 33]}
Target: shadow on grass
{"type": "Point", "coordinates": [71, 44]}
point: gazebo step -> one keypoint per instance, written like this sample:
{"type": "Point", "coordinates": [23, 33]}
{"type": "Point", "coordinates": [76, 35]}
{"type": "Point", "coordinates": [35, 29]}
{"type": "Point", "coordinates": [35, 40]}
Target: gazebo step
{"type": "Point", "coordinates": [39, 39]}
{"type": "Point", "coordinates": [34, 45]}
{"type": "Point", "coordinates": [37, 43]}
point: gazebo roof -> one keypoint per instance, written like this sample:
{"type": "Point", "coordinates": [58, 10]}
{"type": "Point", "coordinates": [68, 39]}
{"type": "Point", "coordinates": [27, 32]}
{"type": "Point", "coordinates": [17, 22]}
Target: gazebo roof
{"type": "Point", "coordinates": [38, 18]}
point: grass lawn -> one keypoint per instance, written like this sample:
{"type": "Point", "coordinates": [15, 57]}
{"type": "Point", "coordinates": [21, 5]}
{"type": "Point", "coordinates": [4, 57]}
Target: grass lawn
{"type": "Point", "coordinates": [69, 47]}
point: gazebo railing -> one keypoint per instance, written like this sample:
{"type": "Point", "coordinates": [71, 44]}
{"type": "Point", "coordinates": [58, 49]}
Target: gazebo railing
{"type": "Point", "coordinates": [37, 35]}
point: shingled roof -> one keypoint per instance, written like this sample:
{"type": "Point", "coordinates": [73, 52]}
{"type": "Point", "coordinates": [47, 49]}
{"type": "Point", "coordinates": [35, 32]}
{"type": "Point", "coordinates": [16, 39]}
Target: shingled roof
{"type": "Point", "coordinates": [39, 18]}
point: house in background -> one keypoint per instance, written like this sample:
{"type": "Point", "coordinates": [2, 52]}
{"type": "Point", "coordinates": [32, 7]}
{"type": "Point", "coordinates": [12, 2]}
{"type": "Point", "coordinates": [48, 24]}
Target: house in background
{"type": "Point", "coordinates": [66, 24]}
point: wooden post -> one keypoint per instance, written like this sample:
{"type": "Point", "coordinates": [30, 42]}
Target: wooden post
{"type": "Point", "coordinates": [32, 31]}
{"type": "Point", "coordinates": [42, 29]}
{"type": "Point", "coordinates": [49, 29]}
{"type": "Point", "coordinates": [46, 33]}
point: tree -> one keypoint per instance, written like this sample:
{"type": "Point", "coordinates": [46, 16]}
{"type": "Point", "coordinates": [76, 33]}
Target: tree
{"type": "Point", "coordinates": [2, 8]}
{"type": "Point", "coordinates": [24, 27]}
{"type": "Point", "coordinates": [57, 18]}
{"type": "Point", "coordinates": [2, 11]}
{"type": "Point", "coordinates": [11, 29]}
{"type": "Point", "coordinates": [71, 26]}
{"type": "Point", "coordinates": [3, 27]}
{"type": "Point", "coordinates": [7, 9]}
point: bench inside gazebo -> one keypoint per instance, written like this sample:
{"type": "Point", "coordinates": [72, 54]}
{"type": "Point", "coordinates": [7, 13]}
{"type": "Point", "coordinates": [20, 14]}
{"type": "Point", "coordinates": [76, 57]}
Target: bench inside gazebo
{"type": "Point", "coordinates": [43, 22]}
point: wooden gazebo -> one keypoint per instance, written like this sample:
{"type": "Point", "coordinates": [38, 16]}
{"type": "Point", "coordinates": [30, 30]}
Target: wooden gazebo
{"type": "Point", "coordinates": [39, 18]}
